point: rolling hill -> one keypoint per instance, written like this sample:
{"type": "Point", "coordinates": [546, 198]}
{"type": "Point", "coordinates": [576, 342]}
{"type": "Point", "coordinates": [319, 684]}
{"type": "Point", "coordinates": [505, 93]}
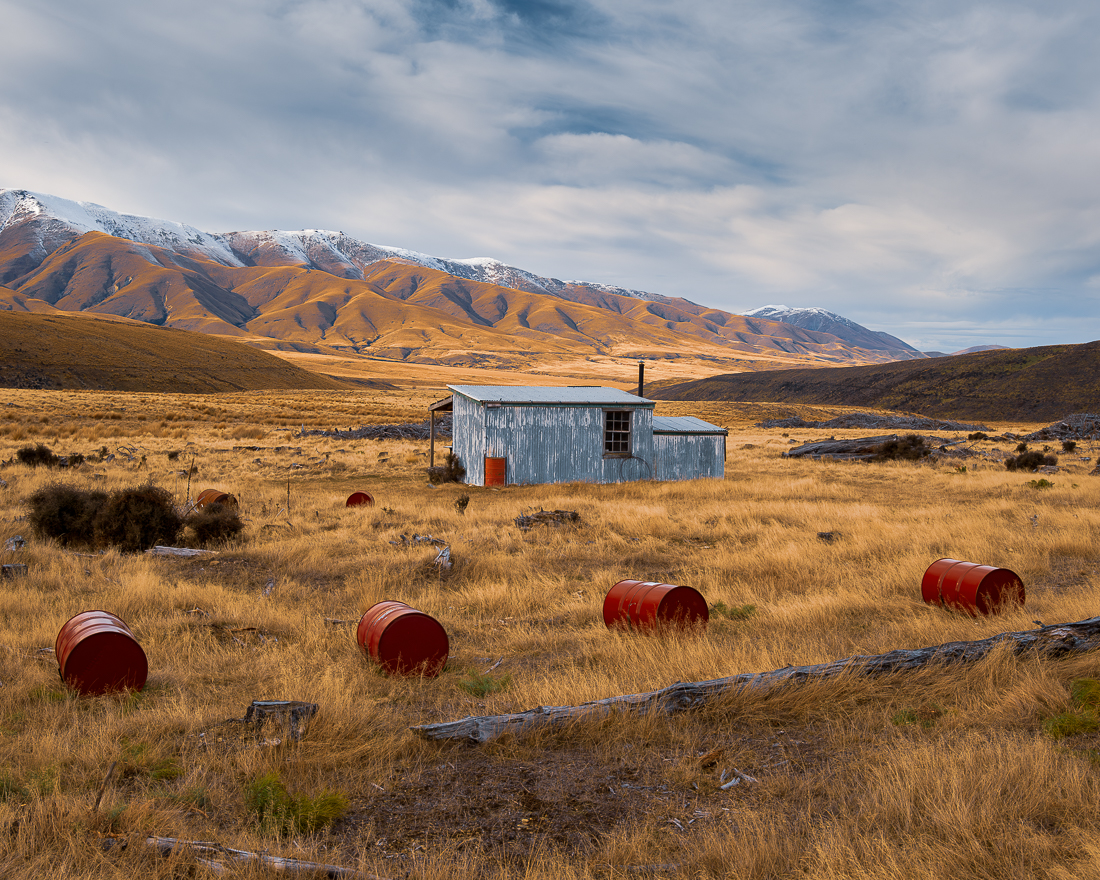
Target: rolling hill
{"type": "Point", "coordinates": [1025, 384]}
{"type": "Point", "coordinates": [324, 292]}
{"type": "Point", "coordinates": [54, 350]}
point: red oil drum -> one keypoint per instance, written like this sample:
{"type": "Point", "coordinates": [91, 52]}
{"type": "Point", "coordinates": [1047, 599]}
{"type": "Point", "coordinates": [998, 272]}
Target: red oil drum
{"type": "Point", "coordinates": [403, 640]}
{"type": "Point", "coordinates": [215, 496]}
{"type": "Point", "coordinates": [359, 499]}
{"type": "Point", "coordinates": [933, 578]}
{"type": "Point", "coordinates": [649, 605]}
{"type": "Point", "coordinates": [495, 471]}
{"type": "Point", "coordinates": [97, 653]}
{"type": "Point", "coordinates": [970, 587]}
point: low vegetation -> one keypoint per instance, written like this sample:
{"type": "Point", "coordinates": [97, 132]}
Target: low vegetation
{"type": "Point", "coordinates": [1029, 461]}
{"type": "Point", "coordinates": [990, 770]}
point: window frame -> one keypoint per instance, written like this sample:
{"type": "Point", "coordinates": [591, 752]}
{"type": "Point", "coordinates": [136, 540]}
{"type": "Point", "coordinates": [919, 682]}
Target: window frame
{"type": "Point", "coordinates": [616, 436]}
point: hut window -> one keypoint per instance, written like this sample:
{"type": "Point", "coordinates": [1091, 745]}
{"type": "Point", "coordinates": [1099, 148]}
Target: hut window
{"type": "Point", "coordinates": [616, 432]}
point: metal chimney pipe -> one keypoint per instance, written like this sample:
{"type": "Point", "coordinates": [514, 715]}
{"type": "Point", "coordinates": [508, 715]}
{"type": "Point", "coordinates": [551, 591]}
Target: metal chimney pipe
{"type": "Point", "coordinates": [641, 378]}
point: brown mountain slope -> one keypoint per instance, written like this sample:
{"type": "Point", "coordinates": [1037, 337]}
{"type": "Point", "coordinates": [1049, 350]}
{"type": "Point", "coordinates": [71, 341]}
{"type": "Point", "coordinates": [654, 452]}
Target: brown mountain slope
{"type": "Point", "coordinates": [1025, 384]}
{"type": "Point", "coordinates": [59, 351]}
{"type": "Point", "coordinates": [400, 311]}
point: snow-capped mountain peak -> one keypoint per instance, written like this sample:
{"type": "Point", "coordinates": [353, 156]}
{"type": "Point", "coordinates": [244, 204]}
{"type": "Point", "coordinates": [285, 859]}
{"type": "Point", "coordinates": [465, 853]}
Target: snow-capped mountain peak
{"type": "Point", "coordinates": [825, 321]}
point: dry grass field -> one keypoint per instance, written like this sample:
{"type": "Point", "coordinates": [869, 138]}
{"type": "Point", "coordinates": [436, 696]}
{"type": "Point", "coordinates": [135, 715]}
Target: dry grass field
{"type": "Point", "coordinates": [945, 773]}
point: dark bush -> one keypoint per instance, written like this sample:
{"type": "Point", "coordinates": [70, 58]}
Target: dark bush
{"type": "Point", "coordinates": [451, 471]}
{"type": "Point", "coordinates": [214, 522]}
{"type": "Point", "coordinates": [65, 513]}
{"type": "Point", "coordinates": [1069, 445]}
{"type": "Point", "coordinates": [34, 456]}
{"type": "Point", "coordinates": [75, 459]}
{"type": "Point", "coordinates": [912, 447]}
{"type": "Point", "coordinates": [1030, 461]}
{"type": "Point", "coordinates": [137, 519]}
{"type": "Point", "coordinates": [1021, 447]}
{"type": "Point", "coordinates": [977, 435]}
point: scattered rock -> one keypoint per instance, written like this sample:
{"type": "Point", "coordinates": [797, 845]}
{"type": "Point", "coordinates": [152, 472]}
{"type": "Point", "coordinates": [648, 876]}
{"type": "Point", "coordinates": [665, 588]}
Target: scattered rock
{"type": "Point", "coordinates": [547, 518]}
{"type": "Point", "coordinates": [1079, 426]}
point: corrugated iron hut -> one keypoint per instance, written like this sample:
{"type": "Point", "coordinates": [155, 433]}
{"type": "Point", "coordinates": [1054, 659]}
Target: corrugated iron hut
{"type": "Point", "coordinates": [533, 434]}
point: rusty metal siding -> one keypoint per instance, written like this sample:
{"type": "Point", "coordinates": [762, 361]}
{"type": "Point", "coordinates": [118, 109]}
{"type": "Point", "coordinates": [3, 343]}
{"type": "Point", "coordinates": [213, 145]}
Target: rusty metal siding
{"type": "Point", "coordinates": [688, 456]}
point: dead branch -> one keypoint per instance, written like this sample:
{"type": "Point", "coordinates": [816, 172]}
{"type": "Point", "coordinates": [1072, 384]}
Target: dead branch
{"type": "Point", "coordinates": [166, 845]}
{"type": "Point", "coordinates": [1049, 642]}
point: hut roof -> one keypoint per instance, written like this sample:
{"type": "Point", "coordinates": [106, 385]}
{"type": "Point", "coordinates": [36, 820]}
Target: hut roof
{"type": "Point", "coordinates": [549, 395]}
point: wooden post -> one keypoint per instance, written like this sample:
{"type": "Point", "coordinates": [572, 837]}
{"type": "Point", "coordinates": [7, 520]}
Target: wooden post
{"type": "Point", "coordinates": [431, 442]}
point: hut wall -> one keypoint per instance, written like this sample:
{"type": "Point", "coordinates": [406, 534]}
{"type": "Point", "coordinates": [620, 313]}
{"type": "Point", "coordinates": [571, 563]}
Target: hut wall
{"type": "Point", "coordinates": [688, 456]}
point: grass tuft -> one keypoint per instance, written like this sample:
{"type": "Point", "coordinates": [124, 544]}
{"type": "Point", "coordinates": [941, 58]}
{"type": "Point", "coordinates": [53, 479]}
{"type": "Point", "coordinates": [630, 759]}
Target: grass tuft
{"type": "Point", "coordinates": [280, 813]}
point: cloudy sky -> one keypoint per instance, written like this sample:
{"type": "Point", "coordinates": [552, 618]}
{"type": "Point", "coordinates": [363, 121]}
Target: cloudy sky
{"type": "Point", "coordinates": [930, 168]}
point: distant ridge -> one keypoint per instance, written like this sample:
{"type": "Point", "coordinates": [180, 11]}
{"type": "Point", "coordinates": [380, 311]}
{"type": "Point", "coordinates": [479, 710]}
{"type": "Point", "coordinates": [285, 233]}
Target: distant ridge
{"type": "Point", "coordinates": [1017, 384]}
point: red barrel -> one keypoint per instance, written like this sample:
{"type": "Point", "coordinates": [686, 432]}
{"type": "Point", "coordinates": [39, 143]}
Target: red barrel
{"type": "Point", "coordinates": [358, 499]}
{"type": "Point", "coordinates": [97, 653]}
{"type": "Point", "coordinates": [495, 471]}
{"type": "Point", "coordinates": [403, 640]}
{"type": "Point", "coordinates": [971, 587]}
{"type": "Point", "coordinates": [649, 605]}
{"type": "Point", "coordinates": [215, 496]}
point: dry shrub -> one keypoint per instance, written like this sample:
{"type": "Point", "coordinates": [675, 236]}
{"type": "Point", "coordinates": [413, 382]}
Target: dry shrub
{"type": "Point", "coordinates": [35, 456]}
{"type": "Point", "coordinates": [137, 519]}
{"type": "Point", "coordinates": [1030, 461]}
{"type": "Point", "coordinates": [214, 523]}
{"type": "Point", "coordinates": [65, 513]}
{"type": "Point", "coordinates": [912, 447]}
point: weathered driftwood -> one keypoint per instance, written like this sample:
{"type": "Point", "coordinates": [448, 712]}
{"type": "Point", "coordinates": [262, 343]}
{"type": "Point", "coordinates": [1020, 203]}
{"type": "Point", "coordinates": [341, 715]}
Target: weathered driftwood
{"type": "Point", "coordinates": [857, 447]}
{"type": "Point", "coordinates": [186, 552]}
{"type": "Point", "coordinates": [165, 846]}
{"type": "Point", "coordinates": [1049, 641]}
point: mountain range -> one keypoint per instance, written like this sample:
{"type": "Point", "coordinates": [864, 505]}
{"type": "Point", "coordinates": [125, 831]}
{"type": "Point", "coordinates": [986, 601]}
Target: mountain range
{"type": "Point", "coordinates": [327, 293]}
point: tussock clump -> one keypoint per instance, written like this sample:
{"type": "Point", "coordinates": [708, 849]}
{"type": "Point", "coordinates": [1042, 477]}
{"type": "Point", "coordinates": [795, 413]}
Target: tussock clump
{"type": "Point", "coordinates": [136, 519]}
{"type": "Point", "coordinates": [1030, 461]}
{"type": "Point", "coordinates": [911, 447]}
{"type": "Point", "coordinates": [37, 456]}
{"type": "Point", "coordinates": [280, 813]}
{"type": "Point", "coordinates": [66, 513]}
{"type": "Point", "coordinates": [214, 523]}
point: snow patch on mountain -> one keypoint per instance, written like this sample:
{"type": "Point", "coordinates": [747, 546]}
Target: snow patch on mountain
{"type": "Point", "coordinates": [18, 206]}
{"type": "Point", "coordinates": [808, 319]}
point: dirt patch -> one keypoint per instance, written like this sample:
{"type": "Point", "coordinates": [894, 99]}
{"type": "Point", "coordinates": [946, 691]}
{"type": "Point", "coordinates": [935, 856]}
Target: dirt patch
{"type": "Point", "coordinates": [568, 798]}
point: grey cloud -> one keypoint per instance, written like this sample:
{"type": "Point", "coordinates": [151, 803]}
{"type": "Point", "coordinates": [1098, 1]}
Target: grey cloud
{"type": "Point", "coordinates": [918, 163]}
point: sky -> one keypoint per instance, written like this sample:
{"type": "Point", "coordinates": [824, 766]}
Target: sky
{"type": "Point", "coordinates": [928, 168]}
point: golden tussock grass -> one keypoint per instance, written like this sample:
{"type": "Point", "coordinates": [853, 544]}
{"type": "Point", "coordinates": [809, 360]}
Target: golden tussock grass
{"type": "Point", "coordinates": [940, 773]}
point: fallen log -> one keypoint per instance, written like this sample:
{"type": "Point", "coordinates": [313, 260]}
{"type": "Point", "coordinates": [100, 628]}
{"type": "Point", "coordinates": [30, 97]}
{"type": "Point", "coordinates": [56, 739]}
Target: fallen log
{"type": "Point", "coordinates": [166, 845]}
{"type": "Point", "coordinates": [857, 447]}
{"type": "Point", "coordinates": [1049, 642]}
